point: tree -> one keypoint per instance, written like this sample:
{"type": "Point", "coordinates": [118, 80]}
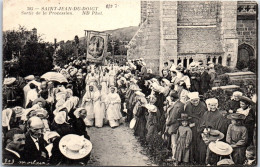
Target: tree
{"type": "Point", "coordinates": [36, 58]}
{"type": "Point", "coordinates": [25, 53]}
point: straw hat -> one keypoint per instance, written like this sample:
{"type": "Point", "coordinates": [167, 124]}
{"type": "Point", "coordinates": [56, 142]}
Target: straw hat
{"type": "Point", "coordinates": [220, 148]}
{"type": "Point", "coordinates": [184, 117]}
{"type": "Point", "coordinates": [9, 81]}
{"type": "Point", "coordinates": [236, 116]}
{"type": "Point", "coordinates": [225, 162]}
{"type": "Point", "coordinates": [215, 135]}
{"type": "Point", "coordinates": [30, 77]}
{"type": "Point", "coordinates": [243, 98]}
{"type": "Point", "coordinates": [132, 123]}
{"type": "Point", "coordinates": [74, 146]}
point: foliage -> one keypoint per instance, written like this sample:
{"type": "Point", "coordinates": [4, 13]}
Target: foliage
{"type": "Point", "coordinates": [221, 69]}
{"type": "Point", "coordinates": [13, 42]}
{"type": "Point", "coordinates": [241, 65]}
{"type": "Point", "coordinates": [24, 54]}
{"type": "Point", "coordinates": [36, 58]}
{"type": "Point", "coordinates": [252, 65]}
{"type": "Point", "coordinates": [224, 79]}
{"type": "Point", "coordinates": [223, 97]}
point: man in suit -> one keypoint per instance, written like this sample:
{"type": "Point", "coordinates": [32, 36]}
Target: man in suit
{"type": "Point", "coordinates": [172, 124]}
{"type": "Point", "coordinates": [15, 140]}
{"type": "Point", "coordinates": [34, 143]}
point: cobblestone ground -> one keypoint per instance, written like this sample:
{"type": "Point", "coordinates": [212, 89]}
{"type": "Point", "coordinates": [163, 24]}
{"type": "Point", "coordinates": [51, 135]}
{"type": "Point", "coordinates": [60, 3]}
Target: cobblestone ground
{"type": "Point", "coordinates": [116, 147]}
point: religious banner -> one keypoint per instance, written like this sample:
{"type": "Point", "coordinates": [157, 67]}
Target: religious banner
{"type": "Point", "coordinates": [96, 46]}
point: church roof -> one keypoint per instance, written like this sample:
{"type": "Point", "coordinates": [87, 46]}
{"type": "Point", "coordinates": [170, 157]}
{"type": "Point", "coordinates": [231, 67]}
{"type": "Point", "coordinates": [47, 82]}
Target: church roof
{"type": "Point", "coordinates": [199, 40]}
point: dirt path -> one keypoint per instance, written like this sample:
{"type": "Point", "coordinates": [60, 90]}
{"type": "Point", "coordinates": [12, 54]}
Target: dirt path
{"type": "Point", "coordinates": [116, 147]}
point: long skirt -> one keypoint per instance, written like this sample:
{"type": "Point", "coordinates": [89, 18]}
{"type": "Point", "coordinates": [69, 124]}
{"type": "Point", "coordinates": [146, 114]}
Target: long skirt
{"type": "Point", "coordinates": [182, 153]}
{"type": "Point", "coordinates": [99, 110]}
{"type": "Point", "coordinates": [113, 114]}
{"type": "Point", "coordinates": [89, 120]}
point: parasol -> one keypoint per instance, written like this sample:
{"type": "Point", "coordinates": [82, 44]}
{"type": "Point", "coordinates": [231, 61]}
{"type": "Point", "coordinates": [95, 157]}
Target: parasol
{"type": "Point", "coordinates": [54, 76]}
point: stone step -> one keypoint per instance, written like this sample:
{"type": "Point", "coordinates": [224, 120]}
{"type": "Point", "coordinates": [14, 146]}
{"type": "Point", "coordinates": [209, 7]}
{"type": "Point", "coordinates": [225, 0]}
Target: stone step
{"type": "Point", "coordinates": [241, 75]}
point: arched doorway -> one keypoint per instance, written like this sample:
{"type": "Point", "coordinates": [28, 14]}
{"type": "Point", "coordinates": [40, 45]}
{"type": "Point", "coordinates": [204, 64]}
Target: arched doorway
{"type": "Point", "coordinates": [245, 54]}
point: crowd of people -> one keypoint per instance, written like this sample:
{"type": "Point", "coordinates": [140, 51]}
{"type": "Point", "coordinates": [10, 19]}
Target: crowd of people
{"type": "Point", "coordinates": [39, 113]}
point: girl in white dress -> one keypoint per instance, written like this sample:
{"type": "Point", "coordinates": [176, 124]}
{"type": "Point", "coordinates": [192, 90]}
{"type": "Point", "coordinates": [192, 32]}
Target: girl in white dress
{"type": "Point", "coordinates": [113, 114]}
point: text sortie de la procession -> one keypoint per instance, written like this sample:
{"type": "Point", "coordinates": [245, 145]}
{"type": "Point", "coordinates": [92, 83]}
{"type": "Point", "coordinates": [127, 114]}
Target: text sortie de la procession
{"type": "Point", "coordinates": [66, 10]}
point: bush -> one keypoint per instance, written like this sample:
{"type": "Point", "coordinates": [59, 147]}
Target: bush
{"type": "Point", "coordinates": [241, 65]}
{"type": "Point", "coordinates": [223, 97]}
{"type": "Point", "coordinates": [224, 79]}
{"type": "Point", "coordinates": [252, 65]}
{"type": "Point", "coordinates": [221, 69]}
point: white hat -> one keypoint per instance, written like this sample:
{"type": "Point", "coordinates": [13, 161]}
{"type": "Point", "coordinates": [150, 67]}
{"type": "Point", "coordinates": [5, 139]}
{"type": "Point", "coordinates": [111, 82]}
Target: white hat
{"type": "Point", "coordinates": [74, 146]}
{"type": "Point", "coordinates": [50, 134]}
{"type": "Point", "coordinates": [193, 64]}
{"type": "Point", "coordinates": [166, 81]}
{"type": "Point", "coordinates": [30, 77]}
{"type": "Point", "coordinates": [151, 107]}
{"type": "Point", "coordinates": [76, 112]}
{"type": "Point", "coordinates": [220, 148]}
{"type": "Point", "coordinates": [237, 93]}
{"type": "Point", "coordinates": [211, 65]}
{"type": "Point", "coordinates": [133, 80]}
{"type": "Point", "coordinates": [138, 93]}
{"type": "Point", "coordinates": [9, 81]}
{"type": "Point", "coordinates": [60, 117]}
{"type": "Point", "coordinates": [212, 101]}
{"type": "Point", "coordinates": [193, 95]}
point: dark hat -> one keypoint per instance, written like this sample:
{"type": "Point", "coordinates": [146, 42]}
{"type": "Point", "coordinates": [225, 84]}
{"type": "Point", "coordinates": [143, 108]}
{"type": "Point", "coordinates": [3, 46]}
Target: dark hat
{"type": "Point", "coordinates": [246, 99]}
{"type": "Point", "coordinates": [39, 100]}
{"type": "Point", "coordinates": [236, 116]}
{"type": "Point", "coordinates": [184, 117]}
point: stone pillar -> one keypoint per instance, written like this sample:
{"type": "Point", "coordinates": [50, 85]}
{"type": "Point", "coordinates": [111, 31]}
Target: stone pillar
{"type": "Point", "coordinates": [216, 60]}
{"type": "Point", "coordinates": [182, 60]}
{"type": "Point", "coordinates": [168, 32]}
{"type": "Point", "coordinates": [228, 31]}
{"type": "Point", "coordinates": [143, 11]}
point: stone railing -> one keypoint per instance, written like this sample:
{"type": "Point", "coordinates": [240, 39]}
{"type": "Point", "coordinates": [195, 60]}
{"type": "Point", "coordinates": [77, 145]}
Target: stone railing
{"type": "Point", "coordinates": [246, 8]}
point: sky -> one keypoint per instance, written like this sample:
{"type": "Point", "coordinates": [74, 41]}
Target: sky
{"type": "Point", "coordinates": [115, 14]}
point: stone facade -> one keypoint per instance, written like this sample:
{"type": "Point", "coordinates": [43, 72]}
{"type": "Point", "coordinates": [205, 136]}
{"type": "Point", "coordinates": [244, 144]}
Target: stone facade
{"type": "Point", "coordinates": [247, 29]}
{"type": "Point", "coordinates": [186, 31]}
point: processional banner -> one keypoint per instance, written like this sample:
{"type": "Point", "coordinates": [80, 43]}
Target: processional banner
{"type": "Point", "coordinates": [96, 46]}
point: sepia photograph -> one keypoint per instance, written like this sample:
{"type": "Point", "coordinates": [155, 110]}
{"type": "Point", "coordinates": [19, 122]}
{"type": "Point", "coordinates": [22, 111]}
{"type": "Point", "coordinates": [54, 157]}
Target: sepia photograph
{"type": "Point", "coordinates": [129, 83]}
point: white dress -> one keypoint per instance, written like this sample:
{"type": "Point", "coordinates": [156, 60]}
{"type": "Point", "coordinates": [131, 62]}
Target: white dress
{"type": "Point", "coordinates": [98, 109]}
{"type": "Point", "coordinates": [113, 113]}
{"type": "Point", "coordinates": [112, 75]}
{"type": "Point", "coordinates": [88, 104]}
{"type": "Point", "coordinates": [104, 83]}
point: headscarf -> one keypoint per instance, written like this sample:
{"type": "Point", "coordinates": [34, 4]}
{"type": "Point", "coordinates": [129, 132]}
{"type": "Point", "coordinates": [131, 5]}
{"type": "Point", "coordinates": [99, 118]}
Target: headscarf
{"type": "Point", "coordinates": [236, 93]}
{"type": "Point", "coordinates": [76, 112]}
{"type": "Point", "coordinates": [60, 117]}
{"type": "Point", "coordinates": [6, 117]}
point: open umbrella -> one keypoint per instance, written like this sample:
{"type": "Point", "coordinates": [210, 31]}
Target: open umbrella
{"type": "Point", "coordinates": [54, 76]}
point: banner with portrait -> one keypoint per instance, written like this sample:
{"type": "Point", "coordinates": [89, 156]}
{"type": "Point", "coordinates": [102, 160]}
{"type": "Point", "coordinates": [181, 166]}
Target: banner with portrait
{"type": "Point", "coordinates": [96, 46]}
